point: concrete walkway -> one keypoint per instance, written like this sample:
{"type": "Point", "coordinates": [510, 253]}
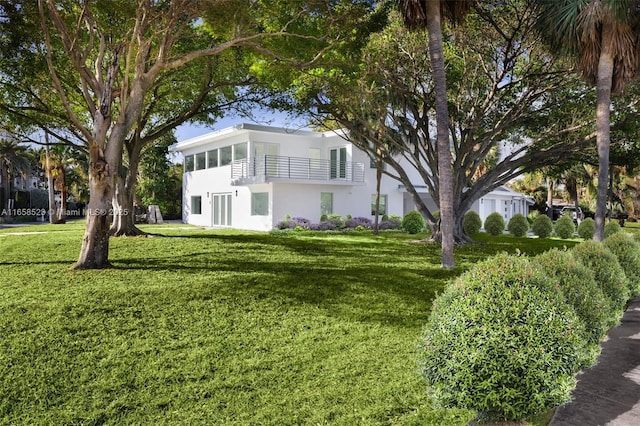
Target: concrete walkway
{"type": "Point", "coordinates": [609, 392]}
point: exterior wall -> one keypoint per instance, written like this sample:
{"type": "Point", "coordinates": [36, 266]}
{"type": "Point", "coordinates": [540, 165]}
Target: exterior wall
{"type": "Point", "coordinates": [299, 198]}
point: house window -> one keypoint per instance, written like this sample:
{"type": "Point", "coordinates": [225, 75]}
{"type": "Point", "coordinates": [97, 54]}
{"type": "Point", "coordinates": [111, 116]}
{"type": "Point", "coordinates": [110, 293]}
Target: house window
{"type": "Point", "coordinates": [189, 163]}
{"type": "Point", "coordinates": [240, 151]}
{"type": "Point", "coordinates": [260, 204]}
{"type": "Point", "coordinates": [326, 203]}
{"type": "Point", "coordinates": [212, 159]}
{"type": "Point", "coordinates": [383, 205]}
{"type": "Point", "coordinates": [316, 169]}
{"type": "Point", "coordinates": [196, 204]}
{"type": "Point", "coordinates": [338, 159]}
{"type": "Point", "coordinates": [225, 156]}
{"type": "Point", "coordinates": [373, 161]}
{"type": "Point", "coordinates": [221, 209]}
{"type": "Point", "coordinates": [201, 161]}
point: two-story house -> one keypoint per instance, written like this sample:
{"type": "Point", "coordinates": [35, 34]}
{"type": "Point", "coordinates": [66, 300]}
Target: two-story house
{"type": "Point", "coordinates": [251, 177]}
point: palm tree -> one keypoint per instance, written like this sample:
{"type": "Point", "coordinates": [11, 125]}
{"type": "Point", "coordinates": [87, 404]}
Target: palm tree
{"type": "Point", "coordinates": [602, 35]}
{"type": "Point", "coordinates": [427, 14]}
{"type": "Point", "coordinates": [14, 160]}
{"type": "Point", "coordinates": [55, 162]}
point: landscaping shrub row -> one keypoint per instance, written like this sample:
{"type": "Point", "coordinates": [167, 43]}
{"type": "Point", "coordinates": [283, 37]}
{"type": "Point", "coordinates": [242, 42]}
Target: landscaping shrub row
{"type": "Point", "coordinates": [507, 337]}
{"type": "Point", "coordinates": [540, 225]}
{"type": "Point", "coordinates": [338, 223]}
{"type": "Point", "coordinates": [412, 222]}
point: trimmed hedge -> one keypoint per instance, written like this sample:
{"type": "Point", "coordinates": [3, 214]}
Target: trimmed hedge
{"type": "Point", "coordinates": [542, 226]}
{"type": "Point", "coordinates": [608, 273]}
{"type": "Point", "coordinates": [413, 222]}
{"type": "Point", "coordinates": [611, 228]}
{"type": "Point", "coordinates": [501, 340]}
{"type": "Point", "coordinates": [587, 228]}
{"type": "Point", "coordinates": [564, 227]}
{"type": "Point", "coordinates": [494, 224]}
{"type": "Point", "coordinates": [518, 225]}
{"type": "Point", "coordinates": [471, 223]}
{"type": "Point", "coordinates": [582, 292]}
{"type": "Point", "coordinates": [627, 250]}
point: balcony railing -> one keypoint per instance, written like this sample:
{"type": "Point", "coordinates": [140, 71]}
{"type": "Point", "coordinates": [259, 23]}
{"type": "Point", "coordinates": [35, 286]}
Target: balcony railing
{"type": "Point", "coordinates": [294, 168]}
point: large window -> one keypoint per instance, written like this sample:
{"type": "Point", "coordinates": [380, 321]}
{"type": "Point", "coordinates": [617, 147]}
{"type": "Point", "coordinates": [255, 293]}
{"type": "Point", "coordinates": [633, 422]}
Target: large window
{"type": "Point", "coordinates": [189, 163]}
{"type": "Point", "coordinates": [383, 205]}
{"type": "Point", "coordinates": [240, 151]}
{"type": "Point", "coordinates": [201, 161]}
{"type": "Point", "coordinates": [222, 209]}
{"type": "Point", "coordinates": [225, 156]}
{"type": "Point", "coordinates": [196, 204]}
{"type": "Point", "coordinates": [212, 158]}
{"type": "Point", "coordinates": [326, 203]}
{"type": "Point", "coordinates": [372, 164]}
{"type": "Point", "coordinates": [338, 158]}
{"type": "Point", "coordinates": [260, 204]}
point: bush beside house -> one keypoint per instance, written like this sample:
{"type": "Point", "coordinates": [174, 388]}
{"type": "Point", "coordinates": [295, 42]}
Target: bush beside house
{"type": "Point", "coordinates": [471, 223]}
{"type": "Point", "coordinates": [518, 225]}
{"type": "Point", "coordinates": [494, 224]}
{"type": "Point", "coordinates": [564, 227]}
{"type": "Point", "coordinates": [611, 228]}
{"type": "Point", "coordinates": [542, 226]}
{"type": "Point", "coordinates": [586, 229]}
{"type": "Point", "coordinates": [413, 222]}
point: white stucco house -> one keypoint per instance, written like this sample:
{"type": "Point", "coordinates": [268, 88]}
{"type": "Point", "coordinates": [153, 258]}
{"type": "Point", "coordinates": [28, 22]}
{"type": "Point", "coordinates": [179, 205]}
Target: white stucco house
{"type": "Point", "coordinates": [252, 176]}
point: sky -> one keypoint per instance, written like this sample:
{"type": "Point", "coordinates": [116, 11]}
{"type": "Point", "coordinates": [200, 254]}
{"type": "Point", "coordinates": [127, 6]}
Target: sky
{"type": "Point", "coordinates": [276, 119]}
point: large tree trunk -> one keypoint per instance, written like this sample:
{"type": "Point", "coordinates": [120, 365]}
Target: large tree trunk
{"type": "Point", "coordinates": [445, 177]}
{"type": "Point", "coordinates": [550, 198]}
{"type": "Point", "coordinates": [94, 253]}
{"type": "Point", "coordinates": [603, 127]}
{"type": "Point", "coordinates": [123, 210]}
{"type": "Point", "coordinates": [124, 223]}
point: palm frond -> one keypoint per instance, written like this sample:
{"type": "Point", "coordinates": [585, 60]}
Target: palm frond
{"type": "Point", "coordinates": [414, 12]}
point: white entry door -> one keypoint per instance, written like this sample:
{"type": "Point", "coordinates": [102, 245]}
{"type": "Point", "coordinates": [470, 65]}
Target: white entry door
{"type": "Point", "coordinates": [221, 209]}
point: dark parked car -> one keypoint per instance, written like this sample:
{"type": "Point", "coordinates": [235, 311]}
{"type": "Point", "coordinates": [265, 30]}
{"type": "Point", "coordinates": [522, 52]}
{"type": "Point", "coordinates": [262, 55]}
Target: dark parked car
{"type": "Point", "coordinates": [619, 216]}
{"type": "Point", "coordinates": [557, 212]}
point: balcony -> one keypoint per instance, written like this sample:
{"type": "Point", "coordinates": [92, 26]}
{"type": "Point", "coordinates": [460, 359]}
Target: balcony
{"type": "Point", "coordinates": [275, 168]}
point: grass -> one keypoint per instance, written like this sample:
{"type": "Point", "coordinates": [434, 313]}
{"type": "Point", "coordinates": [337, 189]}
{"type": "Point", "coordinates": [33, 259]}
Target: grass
{"type": "Point", "coordinates": [222, 327]}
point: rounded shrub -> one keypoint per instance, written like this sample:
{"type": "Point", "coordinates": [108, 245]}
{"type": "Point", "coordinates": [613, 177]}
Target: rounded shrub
{"type": "Point", "coordinates": [471, 223]}
{"type": "Point", "coordinates": [607, 272]}
{"type": "Point", "coordinates": [494, 224]}
{"type": "Point", "coordinates": [501, 341]}
{"type": "Point", "coordinates": [611, 228]}
{"type": "Point", "coordinates": [564, 227]}
{"type": "Point", "coordinates": [542, 226]}
{"type": "Point", "coordinates": [413, 222]}
{"type": "Point", "coordinates": [586, 228]}
{"type": "Point", "coordinates": [627, 251]}
{"type": "Point", "coordinates": [518, 225]}
{"type": "Point", "coordinates": [581, 291]}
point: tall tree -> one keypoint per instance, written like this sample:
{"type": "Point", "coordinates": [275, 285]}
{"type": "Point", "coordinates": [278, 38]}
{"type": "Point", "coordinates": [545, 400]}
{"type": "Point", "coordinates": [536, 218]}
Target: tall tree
{"type": "Point", "coordinates": [56, 161]}
{"type": "Point", "coordinates": [118, 51]}
{"type": "Point", "coordinates": [513, 107]}
{"type": "Point", "coordinates": [602, 35]}
{"type": "Point", "coordinates": [158, 184]}
{"type": "Point", "coordinates": [428, 14]}
{"type": "Point", "coordinates": [14, 160]}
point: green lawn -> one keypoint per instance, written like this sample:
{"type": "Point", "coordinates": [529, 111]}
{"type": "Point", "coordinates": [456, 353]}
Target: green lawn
{"type": "Point", "coordinates": [222, 327]}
